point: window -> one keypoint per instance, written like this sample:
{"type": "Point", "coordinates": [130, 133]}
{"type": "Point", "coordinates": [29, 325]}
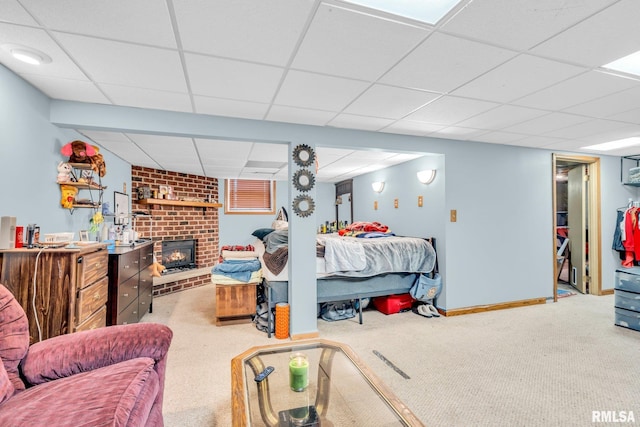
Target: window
{"type": "Point", "coordinates": [249, 196]}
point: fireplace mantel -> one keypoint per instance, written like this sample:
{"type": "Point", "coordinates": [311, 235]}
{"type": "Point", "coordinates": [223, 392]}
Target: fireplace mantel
{"type": "Point", "coordinates": [167, 202]}
{"type": "Point", "coordinates": [181, 275]}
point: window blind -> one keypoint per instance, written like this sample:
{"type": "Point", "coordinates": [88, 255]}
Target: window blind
{"type": "Point", "coordinates": [249, 196]}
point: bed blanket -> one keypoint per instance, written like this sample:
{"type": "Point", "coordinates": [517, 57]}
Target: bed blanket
{"type": "Point", "coordinates": [343, 255]}
{"type": "Point", "coordinates": [276, 261]}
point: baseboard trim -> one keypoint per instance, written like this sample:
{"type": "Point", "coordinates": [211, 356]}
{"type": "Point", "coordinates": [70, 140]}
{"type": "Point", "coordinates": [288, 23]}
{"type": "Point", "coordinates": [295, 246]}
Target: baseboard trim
{"type": "Point", "coordinates": [606, 292]}
{"type": "Point", "coordinates": [491, 307]}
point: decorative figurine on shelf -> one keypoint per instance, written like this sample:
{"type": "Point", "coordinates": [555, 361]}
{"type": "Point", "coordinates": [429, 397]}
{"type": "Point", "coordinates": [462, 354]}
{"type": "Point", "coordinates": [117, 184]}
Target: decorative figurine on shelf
{"type": "Point", "coordinates": [105, 209]}
{"type": "Point", "coordinates": [64, 172]}
{"type": "Point", "coordinates": [81, 152]}
{"type": "Point", "coordinates": [68, 196]}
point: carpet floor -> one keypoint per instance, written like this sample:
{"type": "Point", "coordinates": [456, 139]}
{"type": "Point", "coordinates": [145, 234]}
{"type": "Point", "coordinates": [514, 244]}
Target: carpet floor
{"type": "Point", "coordinates": [543, 365]}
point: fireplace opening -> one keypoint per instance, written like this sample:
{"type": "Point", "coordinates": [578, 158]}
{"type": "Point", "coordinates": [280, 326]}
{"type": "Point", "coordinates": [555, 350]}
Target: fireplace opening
{"type": "Point", "coordinates": [178, 255]}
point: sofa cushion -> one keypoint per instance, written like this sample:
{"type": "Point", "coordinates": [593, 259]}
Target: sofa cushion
{"type": "Point", "coordinates": [6, 386]}
{"type": "Point", "coordinates": [14, 336]}
{"type": "Point", "coordinates": [111, 396]}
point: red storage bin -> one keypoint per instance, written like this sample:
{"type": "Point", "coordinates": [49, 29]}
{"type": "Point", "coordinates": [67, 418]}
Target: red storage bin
{"type": "Point", "coordinates": [392, 304]}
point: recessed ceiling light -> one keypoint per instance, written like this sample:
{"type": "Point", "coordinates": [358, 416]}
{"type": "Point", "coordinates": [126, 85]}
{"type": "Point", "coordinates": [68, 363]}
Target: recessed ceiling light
{"type": "Point", "coordinates": [628, 64]}
{"type": "Point", "coordinates": [429, 12]}
{"type": "Point", "coordinates": [27, 54]}
{"type": "Point", "coordinates": [612, 145]}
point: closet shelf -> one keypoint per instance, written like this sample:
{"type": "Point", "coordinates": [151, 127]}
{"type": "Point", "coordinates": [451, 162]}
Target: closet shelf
{"type": "Point", "coordinates": [634, 158]}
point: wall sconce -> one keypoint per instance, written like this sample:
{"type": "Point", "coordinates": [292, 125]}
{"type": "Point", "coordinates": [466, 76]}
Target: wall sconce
{"type": "Point", "coordinates": [426, 176]}
{"type": "Point", "coordinates": [377, 186]}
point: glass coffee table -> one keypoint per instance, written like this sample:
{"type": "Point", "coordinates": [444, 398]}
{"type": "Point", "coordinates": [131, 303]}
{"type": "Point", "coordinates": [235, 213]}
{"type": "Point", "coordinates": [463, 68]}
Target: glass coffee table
{"type": "Point", "coordinates": [341, 390]}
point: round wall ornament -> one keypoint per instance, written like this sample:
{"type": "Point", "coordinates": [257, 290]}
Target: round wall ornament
{"type": "Point", "coordinates": [303, 180]}
{"type": "Point", "coordinates": [303, 155]}
{"type": "Point", "coordinates": [303, 205]}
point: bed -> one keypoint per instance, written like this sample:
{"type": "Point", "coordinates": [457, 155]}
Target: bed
{"type": "Point", "coordinates": [349, 268]}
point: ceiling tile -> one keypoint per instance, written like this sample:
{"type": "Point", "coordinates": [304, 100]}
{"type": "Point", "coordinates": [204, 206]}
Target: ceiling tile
{"type": "Point", "coordinates": [13, 12]}
{"type": "Point", "coordinates": [499, 137]}
{"type": "Point", "coordinates": [126, 64]}
{"type": "Point", "coordinates": [609, 105]}
{"type": "Point", "coordinates": [389, 102]}
{"type": "Point", "coordinates": [538, 141]}
{"type": "Point", "coordinates": [449, 110]}
{"type": "Point", "coordinates": [603, 38]}
{"type": "Point", "coordinates": [501, 117]}
{"type": "Point", "coordinates": [237, 80]}
{"type": "Point", "coordinates": [520, 76]}
{"type": "Point", "coordinates": [339, 41]}
{"type": "Point", "coordinates": [260, 31]}
{"type": "Point", "coordinates": [214, 151]}
{"type": "Point", "coordinates": [67, 89]}
{"type": "Point", "coordinates": [60, 66]}
{"type": "Point", "coordinates": [631, 116]}
{"type": "Point", "coordinates": [352, 121]}
{"type": "Point", "coordinates": [141, 21]}
{"type": "Point", "coordinates": [303, 116]}
{"type": "Point", "coordinates": [576, 90]}
{"type": "Point", "coordinates": [520, 24]}
{"type": "Point", "coordinates": [167, 149]}
{"type": "Point", "coordinates": [269, 152]}
{"type": "Point", "coordinates": [410, 127]}
{"type": "Point", "coordinates": [443, 63]}
{"type": "Point", "coordinates": [315, 91]}
{"type": "Point", "coordinates": [148, 98]}
{"type": "Point", "coordinates": [230, 108]}
{"type": "Point", "coordinates": [129, 152]}
{"type": "Point", "coordinates": [546, 123]}
{"type": "Point", "coordinates": [587, 129]}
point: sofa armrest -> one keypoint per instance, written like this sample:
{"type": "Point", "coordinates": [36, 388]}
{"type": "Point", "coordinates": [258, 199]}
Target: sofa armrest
{"type": "Point", "coordinates": [69, 354]}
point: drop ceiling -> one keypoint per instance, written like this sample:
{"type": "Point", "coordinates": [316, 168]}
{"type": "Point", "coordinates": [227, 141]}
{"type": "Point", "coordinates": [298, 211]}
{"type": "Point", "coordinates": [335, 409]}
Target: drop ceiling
{"type": "Point", "coordinates": [515, 72]}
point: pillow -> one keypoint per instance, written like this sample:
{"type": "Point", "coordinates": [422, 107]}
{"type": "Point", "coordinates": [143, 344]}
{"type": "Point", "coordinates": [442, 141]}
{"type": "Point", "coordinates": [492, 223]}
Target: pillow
{"type": "Point", "coordinates": [6, 386]}
{"type": "Point", "coordinates": [261, 233]}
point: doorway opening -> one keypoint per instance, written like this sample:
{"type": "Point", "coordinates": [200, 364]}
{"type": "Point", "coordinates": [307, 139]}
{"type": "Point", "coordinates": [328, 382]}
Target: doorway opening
{"type": "Point", "coordinates": [576, 224]}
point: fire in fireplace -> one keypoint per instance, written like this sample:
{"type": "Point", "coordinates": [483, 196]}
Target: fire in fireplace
{"type": "Point", "coordinates": [178, 255]}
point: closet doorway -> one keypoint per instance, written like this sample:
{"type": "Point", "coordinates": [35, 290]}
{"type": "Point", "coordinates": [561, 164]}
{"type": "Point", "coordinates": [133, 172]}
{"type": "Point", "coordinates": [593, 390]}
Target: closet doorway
{"type": "Point", "coordinates": [576, 217]}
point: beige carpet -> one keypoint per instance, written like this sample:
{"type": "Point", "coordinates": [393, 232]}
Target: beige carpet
{"type": "Point", "coordinates": [545, 365]}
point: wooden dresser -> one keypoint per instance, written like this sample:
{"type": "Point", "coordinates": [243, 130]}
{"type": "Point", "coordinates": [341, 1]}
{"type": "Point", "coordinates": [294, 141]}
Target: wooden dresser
{"type": "Point", "coordinates": [130, 283]}
{"type": "Point", "coordinates": [70, 287]}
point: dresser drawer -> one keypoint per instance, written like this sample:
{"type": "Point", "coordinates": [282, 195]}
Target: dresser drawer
{"type": "Point", "coordinates": [628, 319]}
{"type": "Point", "coordinates": [92, 298]}
{"type": "Point", "coordinates": [146, 256]}
{"type": "Point", "coordinates": [128, 265]}
{"type": "Point", "coordinates": [627, 282]}
{"type": "Point", "coordinates": [144, 299]}
{"type": "Point", "coordinates": [127, 292]}
{"type": "Point", "coordinates": [627, 300]}
{"type": "Point", "coordinates": [129, 314]}
{"type": "Point", "coordinates": [96, 320]}
{"type": "Point", "coordinates": [92, 267]}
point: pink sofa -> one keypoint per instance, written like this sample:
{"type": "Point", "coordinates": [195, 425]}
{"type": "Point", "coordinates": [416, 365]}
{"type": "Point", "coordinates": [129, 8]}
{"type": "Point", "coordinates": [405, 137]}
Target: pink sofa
{"type": "Point", "coordinates": [111, 376]}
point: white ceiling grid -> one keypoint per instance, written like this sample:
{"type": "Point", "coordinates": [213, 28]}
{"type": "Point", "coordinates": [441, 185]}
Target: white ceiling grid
{"type": "Point", "coordinates": [518, 72]}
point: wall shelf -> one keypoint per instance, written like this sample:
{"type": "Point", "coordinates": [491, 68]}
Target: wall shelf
{"type": "Point", "coordinates": [167, 202]}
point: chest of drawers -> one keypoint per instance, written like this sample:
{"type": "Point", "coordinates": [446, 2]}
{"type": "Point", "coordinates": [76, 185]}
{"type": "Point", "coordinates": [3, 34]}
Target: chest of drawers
{"type": "Point", "coordinates": [130, 284]}
{"type": "Point", "coordinates": [627, 297]}
{"type": "Point", "coordinates": [71, 287]}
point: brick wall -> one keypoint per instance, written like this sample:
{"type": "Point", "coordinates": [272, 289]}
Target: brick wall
{"type": "Point", "coordinates": [178, 222]}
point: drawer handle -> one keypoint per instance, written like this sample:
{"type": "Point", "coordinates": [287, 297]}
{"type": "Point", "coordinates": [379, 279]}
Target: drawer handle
{"type": "Point", "coordinates": [98, 264]}
{"type": "Point", "coordinates": [135, 262]}
{"type": "Point", "coordinates": [135, 287]}
{"type": "Point", "coordinates": [126, 266]}
{"type": "Point", "coordinates": [125, 295]}
{"type": "Point", "coordinates": [143, 280]}
{"type": "Point", "coordinates": [96, 297]}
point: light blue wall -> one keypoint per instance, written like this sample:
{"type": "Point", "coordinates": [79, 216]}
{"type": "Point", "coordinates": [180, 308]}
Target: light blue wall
{"type": "Point", "coordinates": [499, 250]}
{"type": "Point", "coordinates": [29, 155]}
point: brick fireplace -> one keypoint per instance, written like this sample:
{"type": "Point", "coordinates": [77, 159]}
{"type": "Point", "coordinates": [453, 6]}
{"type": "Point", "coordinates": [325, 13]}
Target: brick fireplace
{"type": "Point", "coordinates": [169, 222]}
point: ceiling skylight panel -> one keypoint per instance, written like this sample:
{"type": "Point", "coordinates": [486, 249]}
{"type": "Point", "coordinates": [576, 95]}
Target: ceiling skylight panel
{"type": "Point", "coordinates": [629, 64]}
{"type": "Point", "coordinates": [429, 12]}
{"type": "Point", "coordinates": [613, 145]}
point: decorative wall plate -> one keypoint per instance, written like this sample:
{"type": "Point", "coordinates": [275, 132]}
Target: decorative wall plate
{"type": "Point", "coordinates": [303, 180]}
{"type": "Point", "coordinates": [303, 205]}
{"type": "Point", "coordinates": [303, 155]}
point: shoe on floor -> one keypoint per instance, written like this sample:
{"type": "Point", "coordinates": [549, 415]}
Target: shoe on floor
{"type": "Point", "coordinates": [423, 310]}
{"type": "Point", "coordinates": [433, 310]}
